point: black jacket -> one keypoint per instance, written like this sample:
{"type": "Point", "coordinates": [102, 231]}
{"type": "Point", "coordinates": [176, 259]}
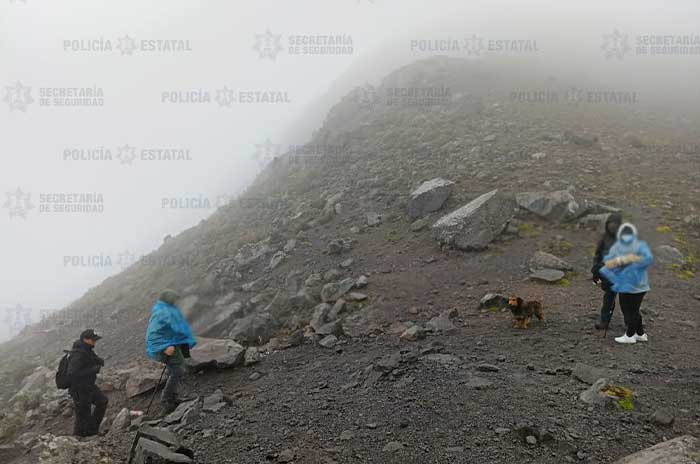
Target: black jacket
{"type": "Point", "coordinates": [83, 365]}
{"type": "Point", "coordinates": [604, 245]}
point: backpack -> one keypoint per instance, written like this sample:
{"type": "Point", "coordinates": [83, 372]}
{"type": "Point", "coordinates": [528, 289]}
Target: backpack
{"type": "Point", "coordinates": [62, 379]}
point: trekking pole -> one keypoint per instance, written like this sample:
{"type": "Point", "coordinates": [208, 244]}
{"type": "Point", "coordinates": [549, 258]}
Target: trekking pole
{"type": "Point", "coordinates": [155, 391]}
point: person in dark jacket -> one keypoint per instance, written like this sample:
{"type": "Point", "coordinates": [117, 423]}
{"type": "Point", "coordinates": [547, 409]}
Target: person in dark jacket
{"type": "Point", "coordinates": [83, 367]}
{"type": "Point", "coordinates": [606, 242]}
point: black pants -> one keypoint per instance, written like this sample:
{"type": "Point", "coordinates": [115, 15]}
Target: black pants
{"type": "Point", "coordinates": [630, 304]}
{"type": "Point", "coordinates": [606, 311]}
{"type": "Point", "coordinates": [87, 420]}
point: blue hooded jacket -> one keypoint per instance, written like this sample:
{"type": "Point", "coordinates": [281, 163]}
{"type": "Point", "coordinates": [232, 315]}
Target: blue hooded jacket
{"type": "Point", "coordinates": [632, 278]}
{"type": "Point", "coordinates": [167, 327]}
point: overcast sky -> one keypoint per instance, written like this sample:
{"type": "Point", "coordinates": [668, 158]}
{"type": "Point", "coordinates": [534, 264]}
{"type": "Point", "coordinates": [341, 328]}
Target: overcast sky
{"type": "Point", "coordinates": [185, 98]}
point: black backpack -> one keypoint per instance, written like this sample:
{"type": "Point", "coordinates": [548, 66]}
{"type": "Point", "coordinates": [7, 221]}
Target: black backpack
{"type": "Point", "coordinates": [62, 379]}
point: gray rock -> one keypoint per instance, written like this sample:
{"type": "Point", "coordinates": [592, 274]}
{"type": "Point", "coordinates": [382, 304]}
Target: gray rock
{"type": "Point", "coordinates": [331, 328]}
{"type": "Point", "coordinates": [547, 275]}
{"type": "Point", "coordinates": [141, 380]}
{"type": "Point", "coordinates": [668, 255]}
{"type": "Point", "coordinates": [531, 440]}
{"type": "Point", "coordinates": [346, 264]}
{"type": "Point", "coordinates": [357, 296]}
{"type": "Point", "coordinates": [542, 260]}
{"type": "Point", "coordinates": [393, 447]}
{"type": "Point", "coordinates": [185, 413]}
{"type": "Point", "coordinates": [487, 368]}
{"type": "Point", "coordinates": [595, 396]}
{"type": "Point", "coordinates": [332, 275]}
{"type": "Point", "coordinates": [337, 309]}
{"type": "Point", "coordinates": [429, 197]}
{"type": "Point", "coordinates": [339, 245]}
{"type": "Point", "coordinates": [413, 333]}
{"type": "Point", "coordinates": [256, 328]}
{"type": "Point", "coordinates": [361, 282]}
{"type": "Point", "coordinates": [329, 341]}
{"type": "Point", "coordinates": [493, 300]}
{"type": "Point", "coordinates": [681, 450]}
{"type": "Point", "coordinates": [148, 451]}
{"type": "Point", "coordinates": [250, 252]}
{"type": "Point", "coordinates": [334, 290]}
{"type": "Point", "coordinates": [252, 356]}
{"type": "Point", "coordinates": [559, 206]}
{"type": "Point", "coordinates": [663, 416]}
{"type": "Point", "coordinates": [692, 220]}
{"type": "Point", "coordinates": [276, 260]}
{"type": "Point", "coordinates": [286, 456]}
{"type": "Point", "coordinates": [214, 402]}
{"type": "Point", "coordinates": [594, 221]}
{"type": "Point", "coordinates": [374, 219]}
{"type": "Point", "coordinates": [215, 322]}
{"type": "Point", "coordinates": [319, 316]}
{"type": "Point", "coordinates": [587, 374]}
{"type": "Point", "coordinates": [474, 226]}
{"type": "Point", "coordinates": [420, 224]}
{"type": "Point", "coordinates": [121, 422]}
{"type": "Point", "coordinates": [442, 323]}
{"type": "Point", "coordinates": [212, 353]}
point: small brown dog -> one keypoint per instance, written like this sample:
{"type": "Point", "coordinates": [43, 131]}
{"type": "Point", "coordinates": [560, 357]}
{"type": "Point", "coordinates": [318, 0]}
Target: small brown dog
{"type": "Point", "coordinates": [523, 311]}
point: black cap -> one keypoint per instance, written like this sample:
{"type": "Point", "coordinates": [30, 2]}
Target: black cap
{"type": "Point", "coordinates": [90, 334]}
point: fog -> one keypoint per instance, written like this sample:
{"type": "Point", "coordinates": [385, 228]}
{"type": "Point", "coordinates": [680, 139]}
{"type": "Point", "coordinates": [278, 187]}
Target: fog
{"type": "Point", "coordinates": [177, 96]}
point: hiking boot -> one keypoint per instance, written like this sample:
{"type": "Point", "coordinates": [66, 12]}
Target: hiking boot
{"type": "Point", "coordinates": [625, 340]}
{"type": "Point", "coordinates": [602, 325]}
{"type": "Point", "coordinates": [641, 338]}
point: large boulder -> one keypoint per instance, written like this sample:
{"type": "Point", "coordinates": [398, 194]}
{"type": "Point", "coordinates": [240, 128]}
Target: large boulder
{"type": "Point", "coordinates": [36, 381]}
{"type": "Point", "coordinates": [217, 321]}
{"type": "Point", "coordinates": [256, 328]}
{"type": "Point", "coordinates": [542, 260]}
{"type": "Point", "coordinates": [559, 206]}
{"type": "Point", "coordinates": [475, 225]}
{"type": "Point", "coordinates": [681, 450]}
{"type": "Point", "coordinates": [429, 197]}
{"type": "Point", "coordinates": [215, 353]}
{"type": "Point", "coordinates": [141, 379]}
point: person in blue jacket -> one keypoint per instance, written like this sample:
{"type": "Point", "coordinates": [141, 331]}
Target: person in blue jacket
{"type": "Point", "coordinates": [169, 339]}
{"type": "Point", "coordinates": [626, 268]}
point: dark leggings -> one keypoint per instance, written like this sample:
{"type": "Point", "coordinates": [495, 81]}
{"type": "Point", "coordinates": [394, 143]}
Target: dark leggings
{"type": "Point", "coordinates": [630, 304]}
{"type": "Point", "coordinates": [606, 312]}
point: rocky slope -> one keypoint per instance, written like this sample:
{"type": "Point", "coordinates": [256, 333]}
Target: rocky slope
{"type": "Point", "coordinates": [375, 343]}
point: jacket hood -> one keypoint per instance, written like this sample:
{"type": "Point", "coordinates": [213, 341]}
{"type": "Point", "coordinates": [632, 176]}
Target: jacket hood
{"type": "Point", "coordinates": [614, 218]}
{"type": "Point", "coordinates": [628, 228]}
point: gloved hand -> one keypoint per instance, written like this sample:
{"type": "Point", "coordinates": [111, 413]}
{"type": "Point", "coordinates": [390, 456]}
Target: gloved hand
{"type": "Point", "coordinates": [100, 361]}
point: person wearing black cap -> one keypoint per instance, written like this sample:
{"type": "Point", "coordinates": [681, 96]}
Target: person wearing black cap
{"type": "Point", "coordinates": [83, 367]}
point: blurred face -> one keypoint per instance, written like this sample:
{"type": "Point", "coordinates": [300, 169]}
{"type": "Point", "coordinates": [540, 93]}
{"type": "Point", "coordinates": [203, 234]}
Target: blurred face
{"type": "Point", "coordinates": [90, 341]}
{"type": "Point", "coordinates": [612, 227]}
{"type": "Point", "coordinates": [627, 238]}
